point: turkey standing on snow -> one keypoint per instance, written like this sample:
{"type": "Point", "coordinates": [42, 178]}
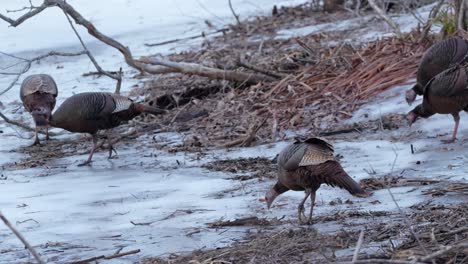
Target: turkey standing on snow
{"type": "Point", "coordinates": [304, 166]}
{"type": "Point", "coordinates": [438, 58]}
{"type": "Point", "coordinates": [38, 93]}
{"type": "Point", "coordinates": [91, 112]}
{"type": "Point", "coordinates": [446, 93]}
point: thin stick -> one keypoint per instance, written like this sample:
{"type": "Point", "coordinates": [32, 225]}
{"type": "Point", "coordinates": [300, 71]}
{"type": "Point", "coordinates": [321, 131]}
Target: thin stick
{"type": "Point", "coordinates": [234, 12]}
{"type": "Point", "coordinates": [358, 246]}
{"type": "Point", "coordinates": [117, 76]}
{"type": "Point", "coordinates": [430, 20]}
{"type": "Point", "coordinates": [20, 237]}
{"type": "Point", "coordinates": [118, 255]}
{"type": "Point", "coordinates": [23, 126]}
{"type": "Point", "coordinates": [29, 63]}
{"type": "Point", "coordinates": [384, 16]}
{"type": "Point", "coordinates": [443, 251]}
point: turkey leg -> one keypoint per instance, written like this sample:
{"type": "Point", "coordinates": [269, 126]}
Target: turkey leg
{"type": "Point", "coordinates": [300, 209]}
{"type": "Point", "coordinates": [88, 162]}
{"type": "Point", "coordinates": [456, 118]}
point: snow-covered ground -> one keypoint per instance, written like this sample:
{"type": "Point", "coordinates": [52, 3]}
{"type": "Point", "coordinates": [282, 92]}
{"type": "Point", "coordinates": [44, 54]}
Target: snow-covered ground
{"type": "Point", "coordinates": [71, 212]}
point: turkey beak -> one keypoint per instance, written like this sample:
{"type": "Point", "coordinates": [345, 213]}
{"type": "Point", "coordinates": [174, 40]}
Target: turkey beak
{"type": "Point", "coordinates": [411, 117]}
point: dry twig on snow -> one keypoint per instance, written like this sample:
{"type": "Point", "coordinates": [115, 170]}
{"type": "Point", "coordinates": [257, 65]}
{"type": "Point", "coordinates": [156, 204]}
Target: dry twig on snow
{"type": "Point", "coordinates": [29, 62]}
{"type": "Point", "coordinates": [21, 237]}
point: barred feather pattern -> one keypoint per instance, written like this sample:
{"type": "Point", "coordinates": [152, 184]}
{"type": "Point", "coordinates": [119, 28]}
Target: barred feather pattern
{"type": "Point", "coordinates": [440, 57]}
{"type": "Point", "coordinates": [41, 83]}
{"type": "Point", "coordinates": [447, 92]}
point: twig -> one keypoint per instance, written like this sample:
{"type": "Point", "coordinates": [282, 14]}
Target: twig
{"type": "Point", "coordinates": [23, 126]}
{"type": "Point", "coordinates": [384, 16]}
{"type": "Point", "coordinates": [400, 211]}
{"type": "Point", "coordinates": [234, 12]}
{"type": "Point", "coordinates": [143, 67]}
{"type": "Point", "coordinates": [20, 237]}
{"type": "Point", "coordinates": [430, 20]}
{"type": "Point", "coordinates": [202, 35]}
{"type": "Point", "coordinates": [212, 73]}
{"type": "Point", "coordinates": [250, 136]}
{"type": "Point", "coordinates": [444, 250]}
{"type": "Point", "coordinates": [358, 246]}
{"type": "Point", "coordinates": [29, 63]}
{"type": "Point", "coordinates": [118, 255]}
{"type": "Point", "coordinates": [117, 76]}
{"type": "Point", "coordinates": [253, 68]}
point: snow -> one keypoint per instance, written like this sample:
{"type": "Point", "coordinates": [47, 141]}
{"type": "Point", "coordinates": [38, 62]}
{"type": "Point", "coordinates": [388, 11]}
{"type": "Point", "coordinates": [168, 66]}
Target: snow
{"type": "Point", "coordinates": [71, 212]}
{"type": "Point", "coordinates": [406, 23]}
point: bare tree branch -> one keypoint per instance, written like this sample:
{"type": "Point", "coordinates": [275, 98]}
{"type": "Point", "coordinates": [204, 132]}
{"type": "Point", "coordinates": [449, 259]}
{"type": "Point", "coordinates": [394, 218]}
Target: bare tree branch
{"type": "Point", "coordinates": [167, 66]}
{"type": "Point", "coordinates": [21, 237]}
{"type": "Point", "coordinates": [234, 12]}
{"type": "Point", "coordinates": [197, 69]}
{"type": "Point", "coordinates": [384, 16]}
{"type": "Point", "coordinates": [22, 125]}
{"type": "Point", "coordinates": [26, 16]}
{"type": "Point", "coordinates": [29, 63]}
{"type": "Point", "coordinates": [117, 76]}
{"type": "Point", "coordinates": [430, 20]}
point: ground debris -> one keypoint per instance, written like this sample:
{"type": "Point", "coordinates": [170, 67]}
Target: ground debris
{"type": "Point", "coordinates": [251, 168]}
{"type": "Point", "coordinates": [394, 181]}
{"type": "Point", "coordinates": [460, 188]}
{"type": "Point", "coordinates": [322, 90]}
{"type": "Point", "coordinates": [301, 245]}
{"type": "Point", "coordinates": [247, 221]}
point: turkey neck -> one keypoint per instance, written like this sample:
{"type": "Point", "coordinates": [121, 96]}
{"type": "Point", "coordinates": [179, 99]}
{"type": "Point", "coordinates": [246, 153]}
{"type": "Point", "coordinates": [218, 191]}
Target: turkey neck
{"type": "Point", "coordinates": [422, 111]}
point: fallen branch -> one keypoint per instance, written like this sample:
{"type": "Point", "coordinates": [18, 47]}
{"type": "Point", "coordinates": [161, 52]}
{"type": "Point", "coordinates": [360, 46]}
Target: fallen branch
{"type": "Point", "coordinates": [358, 247]}
{"type": "Point", "coordinates": [212, 73]}
{"type": "Point", "coordinates": [202, 35]}
{"type": "Point", "coordinates": [118, 255]}
{"type": "Point", "coordinates": [23, 126]}
{"type": "Point", "coordinates": [116, 76]}
{"type": "Point", "coordinates": [262, 71]}
{"type": "Point", "coordinates": [234, 12]}
{"type": "Point", "coordinates": [167, 66]}
{"type": "Point", "coordinates": [20, 237]}
{"type": "Point", "coordinates": [245, 142]}
{"type": "Point", "coordinates": [444, 250]}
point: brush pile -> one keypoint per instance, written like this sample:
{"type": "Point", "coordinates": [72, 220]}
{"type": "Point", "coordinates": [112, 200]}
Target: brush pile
{"type": "Point", "coordinates": [318, 87]}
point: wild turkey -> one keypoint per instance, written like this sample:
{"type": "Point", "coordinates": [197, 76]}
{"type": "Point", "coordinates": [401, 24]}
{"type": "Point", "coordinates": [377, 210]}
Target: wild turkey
{"type": "Point", "coordinates": [38, 93]}
{"type": "Point", "coordinates": [446, 93]}
{"type": "Point", "coordinates": [304, 166]}
{"type": "Point", "coordinates": [438, 58]}
{"type": "Point", "coordinates": [91, 112]}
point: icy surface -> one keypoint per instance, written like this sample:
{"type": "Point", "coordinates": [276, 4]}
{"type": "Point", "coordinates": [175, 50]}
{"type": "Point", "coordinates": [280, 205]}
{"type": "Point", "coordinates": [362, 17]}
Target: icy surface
{"type": "Point", "coordinates": [405, 22]}
{"type": "Point", "coordinates": [156, 201]}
